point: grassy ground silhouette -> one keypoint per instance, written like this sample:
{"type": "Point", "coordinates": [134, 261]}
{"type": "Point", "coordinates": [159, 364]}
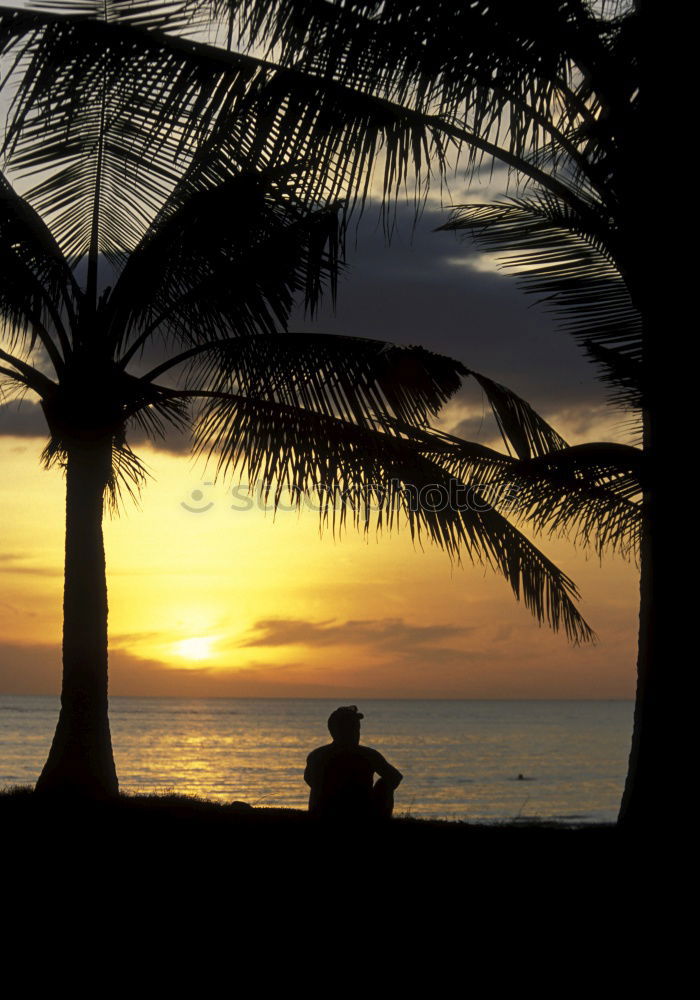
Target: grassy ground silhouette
{"type": "Point", "coordinates": [177, 823]}
{"type": "Point", "coordinates": [261, 873]}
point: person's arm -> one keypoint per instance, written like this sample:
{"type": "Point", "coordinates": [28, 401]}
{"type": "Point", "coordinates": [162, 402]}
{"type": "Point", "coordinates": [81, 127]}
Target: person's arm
{"type": "Point", "coordinates": [314, 779]}
{"type": "Point", "coordinates": [310, 772]}
{"type": "Point", "coordinates": [384, 769]}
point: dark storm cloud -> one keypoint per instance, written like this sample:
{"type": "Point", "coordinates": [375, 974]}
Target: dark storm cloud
{"type": "Point", "coordinates": [425, 287]}
{"type": "Point", "coordinates": [22, 419]}
{"type": "Point", "coordinates": [25, 419]}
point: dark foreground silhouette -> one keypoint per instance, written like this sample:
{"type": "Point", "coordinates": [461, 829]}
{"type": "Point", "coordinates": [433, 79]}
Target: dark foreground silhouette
{"type": "Point", "coordinates": [341, 774]}
{"type": "Point", "coordinates": [169, 864]}
{"type": "Point", "coordinates": [157, 847]}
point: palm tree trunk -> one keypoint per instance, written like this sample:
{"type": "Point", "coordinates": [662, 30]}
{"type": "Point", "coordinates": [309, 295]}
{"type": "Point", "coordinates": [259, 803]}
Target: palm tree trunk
{"type": "Point", "coordinates": [80, 761]}
{"type": "Point", "coordinates": [640, 801]}
{"type": "Point", "coordinates": [655, 755]}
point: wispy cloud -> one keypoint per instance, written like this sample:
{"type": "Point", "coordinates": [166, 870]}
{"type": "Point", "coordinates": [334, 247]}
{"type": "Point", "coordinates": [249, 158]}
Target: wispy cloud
{"type": "Point", "coordinates": [16, 562]}
{"type": "Point", "coordinates": [394, 634]}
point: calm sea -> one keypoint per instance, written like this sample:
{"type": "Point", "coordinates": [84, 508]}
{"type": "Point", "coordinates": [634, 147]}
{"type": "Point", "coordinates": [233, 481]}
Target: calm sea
{"type": "Point", "coordinates": [460, 759]}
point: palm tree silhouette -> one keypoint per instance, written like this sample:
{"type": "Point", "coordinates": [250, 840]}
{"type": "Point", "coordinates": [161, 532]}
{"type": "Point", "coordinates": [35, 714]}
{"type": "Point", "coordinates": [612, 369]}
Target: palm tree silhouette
{"type": "Point", "coordinates": [148, 272]}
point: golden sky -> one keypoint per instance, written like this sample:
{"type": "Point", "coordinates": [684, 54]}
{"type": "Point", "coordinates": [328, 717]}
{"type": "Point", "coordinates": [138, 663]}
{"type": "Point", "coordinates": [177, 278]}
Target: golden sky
{"type": "Point", "coordinates": [217, 601]}
{"type": "Point", "coordinates": [223, 602]}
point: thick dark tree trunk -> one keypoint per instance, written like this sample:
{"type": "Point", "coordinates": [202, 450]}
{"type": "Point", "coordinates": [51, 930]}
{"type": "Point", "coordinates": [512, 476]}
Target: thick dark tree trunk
{"type": "Point", "coordinates": [656, 756]}
{"type": "Point", "coordinates": [80, 762]}
{"type": "Point", "coordinates": [641, 800]}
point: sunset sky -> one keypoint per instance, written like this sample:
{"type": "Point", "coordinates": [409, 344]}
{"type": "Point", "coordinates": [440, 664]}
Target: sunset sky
{"type": "Point", "coordinates": [212, 601]}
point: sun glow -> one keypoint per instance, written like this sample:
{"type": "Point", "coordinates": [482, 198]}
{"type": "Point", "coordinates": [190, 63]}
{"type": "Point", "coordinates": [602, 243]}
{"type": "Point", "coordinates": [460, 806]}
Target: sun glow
{"type": "Point", "coordinates": [230, 603]}
{"type": "Point", "coordinates": [196, 648]}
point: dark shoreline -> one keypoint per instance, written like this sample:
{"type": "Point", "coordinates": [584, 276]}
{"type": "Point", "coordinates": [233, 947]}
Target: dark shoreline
{"type": "Point", "coordinates": [178, 819]}
{"type": "Point", "coordinates": [20, 801]}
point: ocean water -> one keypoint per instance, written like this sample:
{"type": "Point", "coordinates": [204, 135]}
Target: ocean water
{"type": "Point", "coordinates": [460, 759]}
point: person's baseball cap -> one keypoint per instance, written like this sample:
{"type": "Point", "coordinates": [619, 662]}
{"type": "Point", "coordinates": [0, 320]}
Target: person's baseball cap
{"type": "Point", "coordinates": [343, 715]}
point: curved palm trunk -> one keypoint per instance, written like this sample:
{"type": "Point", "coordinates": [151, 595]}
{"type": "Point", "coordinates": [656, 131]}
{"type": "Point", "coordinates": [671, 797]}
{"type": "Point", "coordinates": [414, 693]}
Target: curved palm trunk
{"type": "Point", "coordinates": [80, 761]}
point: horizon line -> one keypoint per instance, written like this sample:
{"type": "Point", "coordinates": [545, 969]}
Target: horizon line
{"type": "Point", "coordinates": [178, 697]}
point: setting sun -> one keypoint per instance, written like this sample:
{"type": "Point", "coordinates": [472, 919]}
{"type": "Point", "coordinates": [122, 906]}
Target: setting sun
{"type": "Point", "coordinates": [196, 648]}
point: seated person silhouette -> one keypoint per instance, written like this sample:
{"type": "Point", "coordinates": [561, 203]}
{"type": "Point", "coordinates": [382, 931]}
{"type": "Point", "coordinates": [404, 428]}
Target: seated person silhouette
{"type": "Point", "coordinates": [341, 774]}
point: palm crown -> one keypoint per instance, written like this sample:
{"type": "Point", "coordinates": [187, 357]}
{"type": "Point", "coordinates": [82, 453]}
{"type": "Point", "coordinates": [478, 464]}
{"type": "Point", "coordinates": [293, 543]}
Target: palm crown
{"type": "Point", "coordinates": [552, 92]}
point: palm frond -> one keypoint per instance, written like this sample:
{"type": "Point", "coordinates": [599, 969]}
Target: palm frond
{"type": "Point", "coordinates": [377, 479]}
{"type": "Point", "coordinates": [226, 258]}
{"type": "Point", "coordinates": [128, 477]}
{"type": "Point", "coordinates": [275, 113]}
{"type": "Point", "coordinates": [521, 427]}
{"type": "Point", "coordinates": [175, 15]}
{"type": "Point", "coordinates": [153, 411]}
{"type": "Point", "coordinates": [589, 493]}
{"type": "Point", "coordinates": [182, 89]}
{"type": "Point", "coordinates": [354, 81]}
{"type": "Point", "coordinates": [499, 65]}
{"type": "Point", "coordinates": [97, 190]}
{"type": "Point", "coordinates": [38, 295]}
{"type": "Point", "coordinates": [570, 262]}
{"type": "Point", "coordinates": [354, 378]}
{"type": "Point", "coordinates": [357, 379]}
{"type": "Point", "coordinates": [22, 373]}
